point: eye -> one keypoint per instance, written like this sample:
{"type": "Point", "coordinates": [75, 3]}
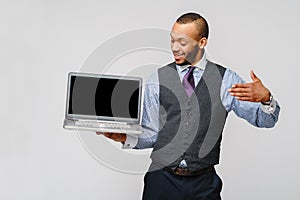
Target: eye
{"type": "Point", "coordinates": [183, 42]}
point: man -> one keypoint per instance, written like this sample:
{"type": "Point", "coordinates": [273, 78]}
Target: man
{"type": "Point", "coordinates": [185, 108]}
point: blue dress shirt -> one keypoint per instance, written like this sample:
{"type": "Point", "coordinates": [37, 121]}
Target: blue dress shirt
{"type": "Point", "coordinates": [256, 114]}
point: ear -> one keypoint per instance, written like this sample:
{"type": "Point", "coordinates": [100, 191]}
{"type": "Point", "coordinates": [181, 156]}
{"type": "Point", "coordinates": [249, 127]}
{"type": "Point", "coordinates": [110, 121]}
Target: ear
{"type": "Point", "coordinates": [202, 43]}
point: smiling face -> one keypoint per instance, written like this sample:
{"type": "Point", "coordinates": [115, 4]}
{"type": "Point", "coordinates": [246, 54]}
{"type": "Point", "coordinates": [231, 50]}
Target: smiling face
{"type": "Point", "coordinates": [186, 44]}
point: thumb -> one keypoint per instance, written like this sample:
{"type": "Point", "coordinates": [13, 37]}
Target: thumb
{"type": "Point", "coordinates": [253, 76]}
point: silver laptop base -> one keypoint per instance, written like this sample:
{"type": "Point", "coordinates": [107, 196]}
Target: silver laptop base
{"type": "Point", "coordinates": [96, 126]}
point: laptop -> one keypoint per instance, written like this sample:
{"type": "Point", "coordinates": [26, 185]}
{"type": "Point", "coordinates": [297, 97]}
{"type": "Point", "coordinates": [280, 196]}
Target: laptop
{"type": "Point", "coordinates": [103, 103]}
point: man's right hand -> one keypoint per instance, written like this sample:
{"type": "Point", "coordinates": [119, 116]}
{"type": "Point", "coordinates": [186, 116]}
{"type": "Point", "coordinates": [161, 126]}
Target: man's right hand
{"type": "Point", "coordinates": [118, 137]}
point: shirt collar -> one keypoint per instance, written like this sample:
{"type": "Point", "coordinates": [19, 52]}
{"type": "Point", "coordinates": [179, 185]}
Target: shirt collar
{"type": "Point", "coordinates": [200, 65]}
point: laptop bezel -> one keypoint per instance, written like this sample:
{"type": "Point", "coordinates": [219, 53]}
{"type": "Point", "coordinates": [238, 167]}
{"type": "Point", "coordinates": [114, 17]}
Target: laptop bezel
{"type": "Point", "coordinates": [103, 118]}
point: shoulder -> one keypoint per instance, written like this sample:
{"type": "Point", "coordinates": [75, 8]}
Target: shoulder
{"type": "Point", "coordinates": [228, 73]}
{"type": "Point", "coordinates": [167, 67]}
{"type": "Point", "coordinates": [153, 76]}
{"type": "Point", "coordinates": [232, 76]}
{"type": "Point", "coordinates": [221, 69]}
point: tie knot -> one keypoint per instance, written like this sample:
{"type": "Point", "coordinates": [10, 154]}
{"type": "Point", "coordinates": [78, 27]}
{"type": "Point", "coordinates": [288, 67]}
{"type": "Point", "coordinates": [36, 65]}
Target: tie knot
{"type": "Point", "coordinates": [190, 70]}
{"type": "Point", "coordinates": [188, 81]}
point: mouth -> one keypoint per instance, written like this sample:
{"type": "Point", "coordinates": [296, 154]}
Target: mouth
{"type": "Point", "coordinates": [178, 56]}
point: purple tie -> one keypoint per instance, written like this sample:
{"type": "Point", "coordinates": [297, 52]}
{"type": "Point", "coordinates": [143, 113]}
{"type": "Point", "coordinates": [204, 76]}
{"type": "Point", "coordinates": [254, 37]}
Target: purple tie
{"type": "Point", "coordinates": [188, 81]}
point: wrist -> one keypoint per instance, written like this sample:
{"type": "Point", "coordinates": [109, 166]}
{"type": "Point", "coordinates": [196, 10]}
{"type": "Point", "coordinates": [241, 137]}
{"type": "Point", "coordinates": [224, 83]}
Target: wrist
{"type": "Point", "coordinates": [269, 99]}
{"type": "Point", "coordinates": [131, 142]}
{"type": "Point", "coordinates": [124, 137]}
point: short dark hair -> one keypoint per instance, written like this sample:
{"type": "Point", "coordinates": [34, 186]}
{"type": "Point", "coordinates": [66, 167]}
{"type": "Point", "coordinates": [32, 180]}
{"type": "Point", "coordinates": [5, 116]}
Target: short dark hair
{"type": "Point", "coordinates": [200, 22]}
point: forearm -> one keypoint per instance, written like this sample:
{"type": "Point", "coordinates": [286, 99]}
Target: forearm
{"type": "Point", "coordinates": [252, 110]}
{"type": "Point", "coordinates": [257, 114]}
{"type": "Point", "coordinates": [147, 139]}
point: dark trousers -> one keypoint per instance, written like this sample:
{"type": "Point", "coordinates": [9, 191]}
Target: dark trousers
{"type": "Point", "coordinates": [162, 185]}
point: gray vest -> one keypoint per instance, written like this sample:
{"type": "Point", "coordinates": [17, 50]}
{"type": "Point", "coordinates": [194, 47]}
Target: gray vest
{"type": "Point", "coordinates": [190, 127]}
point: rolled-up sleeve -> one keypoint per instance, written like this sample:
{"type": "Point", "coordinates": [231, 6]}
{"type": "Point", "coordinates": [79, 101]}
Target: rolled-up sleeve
{"type": "Point", "coordinates": [257, 114]}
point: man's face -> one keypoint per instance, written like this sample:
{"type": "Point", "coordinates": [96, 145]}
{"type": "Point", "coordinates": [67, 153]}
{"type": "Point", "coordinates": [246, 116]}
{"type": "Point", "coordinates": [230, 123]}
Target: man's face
{"type": "Point", "coordinates": [185, 43]}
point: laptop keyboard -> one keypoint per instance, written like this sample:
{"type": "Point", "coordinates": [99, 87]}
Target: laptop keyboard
{"type": "Point", "coordinates": [93, 124]}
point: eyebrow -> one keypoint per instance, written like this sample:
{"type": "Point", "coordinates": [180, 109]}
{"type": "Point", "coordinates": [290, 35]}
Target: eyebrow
{"type": "Point", "coordinates": [180, 38]}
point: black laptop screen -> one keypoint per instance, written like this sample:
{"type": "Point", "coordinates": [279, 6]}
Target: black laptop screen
{"type": "Point", "coordinates": [104, 97]}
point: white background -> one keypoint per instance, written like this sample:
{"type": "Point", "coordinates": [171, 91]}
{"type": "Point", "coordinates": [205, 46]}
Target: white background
{"type": "Point", "coordinates": [41, 41]}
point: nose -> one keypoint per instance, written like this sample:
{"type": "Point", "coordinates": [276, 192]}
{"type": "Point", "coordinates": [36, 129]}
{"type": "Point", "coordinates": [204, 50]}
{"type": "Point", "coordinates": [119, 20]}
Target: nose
{"type": "Point", "coordinates": [174, 47]}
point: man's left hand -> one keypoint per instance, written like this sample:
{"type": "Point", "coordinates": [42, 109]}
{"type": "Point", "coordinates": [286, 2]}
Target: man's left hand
{"type": "Point", "coordinates": [254, 91]}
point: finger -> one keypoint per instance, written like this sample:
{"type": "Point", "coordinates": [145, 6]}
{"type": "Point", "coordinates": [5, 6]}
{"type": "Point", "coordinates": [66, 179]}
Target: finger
{"type": "Point", "coordinates": [240, 94]}
{"type": "Point", "coordinates": [241, 85]}
{"type": "Point", "coordinates": [117, 136]}
{"type": "Point", "coordinates": [122, 137]}
{"type": "Point", "coordinates": [107, 134]}
{"type": "Point", "coordinates": [238, 90]}
{"type": "Point", "coordinates": [244, 98]}
{"type": "Point", "coordinates": [253, 76]}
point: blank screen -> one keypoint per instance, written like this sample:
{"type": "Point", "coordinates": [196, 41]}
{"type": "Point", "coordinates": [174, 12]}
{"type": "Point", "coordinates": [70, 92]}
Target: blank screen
{"type": "Point", "coordinates": [106, 97]}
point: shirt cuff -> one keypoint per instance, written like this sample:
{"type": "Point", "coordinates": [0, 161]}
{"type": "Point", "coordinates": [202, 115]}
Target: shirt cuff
{"type": "Point", "coordinates": [131, 141]}
{"type": "Point", "coordinates": [269, 109]}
